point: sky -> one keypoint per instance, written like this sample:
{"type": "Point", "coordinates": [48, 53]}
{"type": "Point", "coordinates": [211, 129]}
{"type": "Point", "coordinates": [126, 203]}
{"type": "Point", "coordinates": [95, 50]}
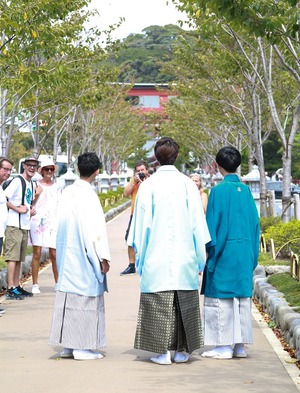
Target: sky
{"type": "Point", "coordinates": [138, 14]}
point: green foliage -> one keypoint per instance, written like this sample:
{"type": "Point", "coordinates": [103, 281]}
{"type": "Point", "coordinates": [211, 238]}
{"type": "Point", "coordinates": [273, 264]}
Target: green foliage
{"type": "Point", "coordinates": [3, 264]}
{"type": "Point", "coordinates": [50, 66]}
{"type": "Point", "coordinates": [286, 237]}
{"type": "Point", "coordinates": [272, 153]}
{"type": "Point", "coordinates": [265, 259]}
{"type": "Point", "coordinates": [111, 198]}
{"type": "Point", "coordinates": [266, 222]}
{"type": "Point", "coordinates": [288, 285]}
{"type": "Point", "coordinates": [296, 158]}
{"type": "Point", "coordinates": [270, 19]}
{"type": "Point", "coordinates": [142, 56]}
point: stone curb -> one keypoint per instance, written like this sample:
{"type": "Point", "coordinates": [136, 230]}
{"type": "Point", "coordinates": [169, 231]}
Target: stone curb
{"type": "Point", "coordinates": [26, 265]}
{"type": "Point", "coordinates": [117, 210]}
{"type": "Point", "coordinates": [275, 305]}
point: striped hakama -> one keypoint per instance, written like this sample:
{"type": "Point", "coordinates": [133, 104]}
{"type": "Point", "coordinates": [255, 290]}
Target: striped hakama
{"type": "Point", "coordinates": [227, 321]}
{"type": "Point", "coordinates": [78, 322]}
{"type": "Point", "coordinates": [169, 320]}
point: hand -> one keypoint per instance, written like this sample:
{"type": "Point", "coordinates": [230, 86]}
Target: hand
{"type": "Point", "coordinates": [136, 179]}
{"type": "Point", "coordinates": [32, 211]}
{"type": "Point", "coordinates": [104, 264]}
{"type": "Point", "coordinates": [22, 209]}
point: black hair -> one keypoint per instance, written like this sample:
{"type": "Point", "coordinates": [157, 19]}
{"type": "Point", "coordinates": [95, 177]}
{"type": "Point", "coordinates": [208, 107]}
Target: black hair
{"type": "Point", "coordinates": [229, 158]}
{"type": "Point", "coordinates": [166, 151]}
{"type": "Point", "coordinates": [87, 164]}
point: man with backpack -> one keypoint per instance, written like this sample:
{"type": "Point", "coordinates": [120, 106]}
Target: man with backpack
{"type": "Point", "coordinates": [5, 171]}
{"type": "Point", "coordinates": [20, 194]}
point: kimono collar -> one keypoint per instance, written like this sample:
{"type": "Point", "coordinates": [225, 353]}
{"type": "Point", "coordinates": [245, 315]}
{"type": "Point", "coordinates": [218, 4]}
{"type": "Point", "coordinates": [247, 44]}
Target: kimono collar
{"type": "Point", "coordinates": [82, 183]}
{"type": "Point", "coordinates": [167, 168]}
{"type": "Point", "coordinates": [233, 177]}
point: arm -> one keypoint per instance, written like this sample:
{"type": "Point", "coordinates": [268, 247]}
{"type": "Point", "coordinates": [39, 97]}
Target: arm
{"type": "Point", "coordinates": [19, 209]}
{"type": "Point", "coordinates": [38, 191]}
{"type": "Point", "coordinates": [204, 199]}
{"type": "Point", "coordinates": [128, 190]}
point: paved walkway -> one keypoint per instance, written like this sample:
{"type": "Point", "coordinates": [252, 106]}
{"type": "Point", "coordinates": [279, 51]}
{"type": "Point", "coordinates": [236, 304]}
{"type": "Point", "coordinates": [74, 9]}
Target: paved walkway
{"type": "Point", "coordinates": [29, 365]}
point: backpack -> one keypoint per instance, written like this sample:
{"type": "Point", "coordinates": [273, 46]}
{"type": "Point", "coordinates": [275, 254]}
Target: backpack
{"type": "Point", "coordinates": [7, 183]}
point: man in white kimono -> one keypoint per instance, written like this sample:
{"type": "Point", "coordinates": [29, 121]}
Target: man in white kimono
{"type": "Point", "coordinates": [78, 323]}
{"type": "Point", "coordinates": [169, 234]}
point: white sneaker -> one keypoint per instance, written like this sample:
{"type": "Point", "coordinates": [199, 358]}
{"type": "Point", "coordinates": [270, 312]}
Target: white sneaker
{"type": "Point", "coordinates": [219, 352]}
{"type": "Point", "coordinates": [86, 354]}
{"type": "Point", "coordinates": [164, 358]}
{"type": "Point", "coordinates": [66, 353]}
{"type": "Point", "coordinates": [181, 357]}
{"type": "Point", "coordinates": [35, 289]}
{"type": "Point", "coordinates": [239, 351]}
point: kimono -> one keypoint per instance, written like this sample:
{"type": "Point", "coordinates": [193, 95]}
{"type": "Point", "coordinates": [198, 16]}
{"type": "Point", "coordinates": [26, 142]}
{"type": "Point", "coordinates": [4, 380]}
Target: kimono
{"type": "Point", "coordinates": [79, 316]}
{"type": "Point", "coordinates": [233, 223]}
{"type": "Point", "coordinates": [169, 233]}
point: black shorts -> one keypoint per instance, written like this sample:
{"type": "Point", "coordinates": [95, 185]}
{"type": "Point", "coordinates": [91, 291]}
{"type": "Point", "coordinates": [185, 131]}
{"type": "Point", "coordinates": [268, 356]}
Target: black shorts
{"type": "Point", "coordinates": [127, 230]}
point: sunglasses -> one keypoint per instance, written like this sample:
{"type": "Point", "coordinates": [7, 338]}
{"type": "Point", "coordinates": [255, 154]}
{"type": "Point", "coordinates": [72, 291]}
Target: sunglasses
{"type": "Point", "coordinates": [48, 169]}
{"type": "Point", "coordinates": [31, 165]}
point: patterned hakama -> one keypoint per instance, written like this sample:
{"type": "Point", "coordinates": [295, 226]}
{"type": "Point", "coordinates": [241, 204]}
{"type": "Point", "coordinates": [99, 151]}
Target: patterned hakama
{"type": "Point", "coordinates": [78, 322]}
{"type": "Point", "coordinates": [227, 321]}
{"type": "Point", "coordinates": [169, 321]}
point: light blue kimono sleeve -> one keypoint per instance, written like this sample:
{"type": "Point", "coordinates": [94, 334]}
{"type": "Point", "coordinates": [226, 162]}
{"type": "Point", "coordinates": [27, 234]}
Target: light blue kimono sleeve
{"type": "Point", "coordinates": [95, 236]}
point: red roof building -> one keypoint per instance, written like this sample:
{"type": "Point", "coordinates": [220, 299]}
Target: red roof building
{"type": "Point", "coordinates": [149, 96]}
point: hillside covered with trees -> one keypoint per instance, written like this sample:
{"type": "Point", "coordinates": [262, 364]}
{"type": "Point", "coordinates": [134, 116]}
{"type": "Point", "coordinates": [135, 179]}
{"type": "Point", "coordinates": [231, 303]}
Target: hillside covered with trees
{"type": "Point", "coordinates": [142, 56]}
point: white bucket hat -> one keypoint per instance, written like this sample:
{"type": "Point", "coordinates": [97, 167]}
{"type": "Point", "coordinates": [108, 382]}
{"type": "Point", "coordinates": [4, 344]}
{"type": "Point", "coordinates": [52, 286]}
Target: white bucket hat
{"type": "Point", "coordinates": [47, 162]}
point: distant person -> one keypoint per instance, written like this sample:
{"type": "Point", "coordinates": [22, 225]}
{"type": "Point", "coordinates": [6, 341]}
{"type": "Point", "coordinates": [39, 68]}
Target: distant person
{"type": "Point", "coordinates": [18, 225]}
{"type": "Point", "coordinates": [5, 171]}
{"type": "Point", "coordinates": [233, 223]}
{"type": "Point", "coordinates": [43, 226]}
{"type": "Point", "coordinates": [140, 174]}
{"type": "Point", "coordinates": [169, 234]}
{"type": "Point", "coordinates": [197, 179]}
{"type": "Point", "coordinates": [78, 323]}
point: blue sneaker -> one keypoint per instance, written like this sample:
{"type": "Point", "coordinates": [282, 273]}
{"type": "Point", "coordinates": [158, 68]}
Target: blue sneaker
{"type": "Point", "coordinates": [129, 270]}
{"type": "Point", "coordinates": [14, 294]}
{"type": "Point", "coordinates": [23, 292]}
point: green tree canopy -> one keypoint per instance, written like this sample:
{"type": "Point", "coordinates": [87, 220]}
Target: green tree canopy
{"type": "Point", "coordinates": [142, 56]}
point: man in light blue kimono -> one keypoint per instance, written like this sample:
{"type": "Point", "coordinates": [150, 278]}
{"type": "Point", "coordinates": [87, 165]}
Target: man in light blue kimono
{"type": "Point", "coordinates": [169, 234]}
{"type": "Point", "coordinates": [78, 323]}
{"type": "Point", "coordinates": [233, 223]}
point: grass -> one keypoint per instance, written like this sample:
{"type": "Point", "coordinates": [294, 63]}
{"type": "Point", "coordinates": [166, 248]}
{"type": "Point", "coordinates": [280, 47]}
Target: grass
{"type": "Point", "coordinates": [265, 259]}
{"type": "Point", "coordinates": [116, 204]}
{"type": "Point", "coordinates": [283, 282]}
{"type": "Point", "coordinates": [288, 285]}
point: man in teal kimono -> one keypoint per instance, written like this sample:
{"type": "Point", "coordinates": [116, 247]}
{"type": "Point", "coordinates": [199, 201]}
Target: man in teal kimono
{"type": "Point", "coordinates": [233, 223]}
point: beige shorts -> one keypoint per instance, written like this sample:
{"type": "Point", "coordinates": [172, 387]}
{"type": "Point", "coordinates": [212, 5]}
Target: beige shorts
{"type": "Point", "coordinates": [15, 244]}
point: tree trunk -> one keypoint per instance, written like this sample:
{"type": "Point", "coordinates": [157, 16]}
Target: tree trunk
{"type": "Point", "coordinates": [3, 106]}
